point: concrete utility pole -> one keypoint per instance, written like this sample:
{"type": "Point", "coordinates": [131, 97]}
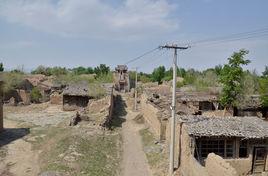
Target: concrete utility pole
{"type": "Point", "coordinates": [136, 80]}
{"type": "Point", "coordinates": [173, 106]}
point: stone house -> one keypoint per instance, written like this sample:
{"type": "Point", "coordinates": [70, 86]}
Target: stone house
{"type": "Point", "coordinates": [121, 78]}
{"type": "Point", "coordinates": [76, 97]}
{"type": "Point", "coordinates": [221, 146]}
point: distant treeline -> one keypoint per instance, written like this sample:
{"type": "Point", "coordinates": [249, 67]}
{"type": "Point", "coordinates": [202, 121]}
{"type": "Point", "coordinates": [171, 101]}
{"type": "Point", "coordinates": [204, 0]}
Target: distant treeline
{"type": "Point", "coordinates": [49, 71]}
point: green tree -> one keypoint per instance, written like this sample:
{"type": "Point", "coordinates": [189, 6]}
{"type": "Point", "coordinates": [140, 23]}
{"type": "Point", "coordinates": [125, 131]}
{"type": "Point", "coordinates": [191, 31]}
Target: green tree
{"type": "Point", "coordinates": [263, 82]}
{"type": "Point", "coordinates": [102, 69]}
{"type": "Point", "coordinates": [35, 95]}
{"type": "Point", "coordinates": [231, 76]}
{"type": "Point", "coordinates": [1, 67]}
{"type": "Point", "coordinates": [158, 74]}
{"type": "Point", "coordinates": [265, 73]}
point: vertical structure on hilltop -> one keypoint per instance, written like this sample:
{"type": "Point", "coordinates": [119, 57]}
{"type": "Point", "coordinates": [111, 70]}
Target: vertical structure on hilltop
{"type": "Point", "coordinates": [121, 78]}
{"type": "Point", "coordinates": [1, 106]}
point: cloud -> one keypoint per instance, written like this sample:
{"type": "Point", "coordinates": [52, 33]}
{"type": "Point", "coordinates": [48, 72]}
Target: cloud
{"type": "Point", "coordinates": [93, 18]}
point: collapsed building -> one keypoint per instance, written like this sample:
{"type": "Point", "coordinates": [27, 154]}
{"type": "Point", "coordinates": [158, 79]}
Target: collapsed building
{"type": "Point", "coordinates": [156, 107]}
{"type": "Point", "coordinates": [75, 97]}
{"type": "Point", "coordinates": [239, 144]}
{"type": "Point", "coordinates": [121, 78]}
{"type": "Point", "coordinates": [79, 98]}
{"type": "Point", "coordinates": [251, 106]}
{"type": "Point", "coordinates": [20, 93]}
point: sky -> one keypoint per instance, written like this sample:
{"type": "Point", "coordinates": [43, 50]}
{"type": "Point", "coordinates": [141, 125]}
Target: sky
{"type": "Point", "coordinates": [73, 33]}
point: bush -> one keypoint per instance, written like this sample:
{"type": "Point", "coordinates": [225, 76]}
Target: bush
{"type": "Point", "coordinates": [12, 80]}
{"type": "Point", "coordinates": [35, 95]}
{"type": "Point", "coordinates": [96, 90]}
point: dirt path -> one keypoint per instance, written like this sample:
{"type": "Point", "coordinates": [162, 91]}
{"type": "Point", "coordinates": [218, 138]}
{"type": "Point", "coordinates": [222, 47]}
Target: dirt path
{"type": "Point", "coordinates": [134, 159]}
{"type": "Point", "coordinates": [20, 160]}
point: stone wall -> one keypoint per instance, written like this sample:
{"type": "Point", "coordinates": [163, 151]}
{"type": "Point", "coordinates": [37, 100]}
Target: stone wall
{"type": "Point", "coordinates": [153, 117]}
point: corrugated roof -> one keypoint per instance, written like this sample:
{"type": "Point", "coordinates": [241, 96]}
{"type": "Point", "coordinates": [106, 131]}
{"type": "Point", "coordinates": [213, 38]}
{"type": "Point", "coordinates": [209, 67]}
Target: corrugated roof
{"type": "Point", "coordinates": [243, 127]}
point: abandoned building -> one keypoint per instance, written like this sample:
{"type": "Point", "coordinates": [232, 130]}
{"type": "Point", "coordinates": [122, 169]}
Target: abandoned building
{"type": "Point", "coordinates": [251, 106]}
{"type": "Point", "coordinates": [75, 97]}
{"type": "Point", "coordinates": [239, 144]}
{"type": "Point", "coordinates": [20, 94]}
{"type": "Point", "coordinates": [121, 77]}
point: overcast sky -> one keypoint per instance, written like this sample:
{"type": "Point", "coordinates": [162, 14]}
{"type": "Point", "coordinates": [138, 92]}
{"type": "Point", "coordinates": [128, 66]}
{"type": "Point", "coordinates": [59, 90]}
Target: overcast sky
{"type": "Point", "coordinates": [74, 33]}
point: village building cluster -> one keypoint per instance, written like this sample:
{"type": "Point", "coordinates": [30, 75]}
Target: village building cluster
{"type": "Point", "coordinates": [209, 140]}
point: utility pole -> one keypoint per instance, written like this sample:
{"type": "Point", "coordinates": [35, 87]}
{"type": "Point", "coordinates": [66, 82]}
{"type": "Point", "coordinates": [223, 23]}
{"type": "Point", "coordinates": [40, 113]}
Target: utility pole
{"type": "Point", "coordinates": [136, 80]}
{"type": "Point", "coordinates": [173, 106]}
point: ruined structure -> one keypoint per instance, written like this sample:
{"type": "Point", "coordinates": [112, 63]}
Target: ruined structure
{"type": "Point", "coordinates": [121, 78]}
{"type": "Point", "coordinates": [155, 106]}
{"type": "Point", "coordinates": [21, 93]}
{"type": "Point", "coordinates": [239, 145]}
{"type": "Point", "coordinates": [251, 106]}
{"type": "Point", "coordinates": [76, 97]}
{"type": "Point", "coordinates": [1, 106]}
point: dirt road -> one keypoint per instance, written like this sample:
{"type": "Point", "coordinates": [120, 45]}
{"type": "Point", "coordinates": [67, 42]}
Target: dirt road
{"type": "Point", "coordinates": [134, 160]}
{"type": "Point", "coordinates": [20, 158]}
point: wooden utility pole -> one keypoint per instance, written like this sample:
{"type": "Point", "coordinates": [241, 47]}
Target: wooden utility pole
{"type": "Point", "coordinates": [173, 106]}
{"type": "Point", "coordinates": [136, 92]}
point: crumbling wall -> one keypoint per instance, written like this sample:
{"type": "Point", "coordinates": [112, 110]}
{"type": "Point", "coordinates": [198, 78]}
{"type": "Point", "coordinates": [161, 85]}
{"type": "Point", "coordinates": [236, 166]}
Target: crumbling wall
{"type": "Point", "coordinates": [242, 165]}
{"type": "Point", "coordinates": [56, 98]}
{"type": "Point", "coordinates": [73, 103]}
{"type": "Point", "coordinates": [186, 162]}
{"type": "Point", "coordinates": [152, 116]}
{"type": "Point", "coordinates": [184, 159]}
{"type": "Point", "coordinates": [1, 107]}
{"type": "Point", "coordinates": [25, 97]}
{"type": "Point", "coordinates": [216, 165]}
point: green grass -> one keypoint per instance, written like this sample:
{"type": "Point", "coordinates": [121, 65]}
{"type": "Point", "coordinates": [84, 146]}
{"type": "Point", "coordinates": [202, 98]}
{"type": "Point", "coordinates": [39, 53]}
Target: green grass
{"type": "Point", "coordinates": [157, 158]}
{"type": "Point", "coordinates": [95, 154]}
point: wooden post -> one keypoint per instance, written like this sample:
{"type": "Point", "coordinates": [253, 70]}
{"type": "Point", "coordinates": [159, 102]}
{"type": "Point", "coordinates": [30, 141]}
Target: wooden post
{"type": "Point", "coordinates": [1, 107]}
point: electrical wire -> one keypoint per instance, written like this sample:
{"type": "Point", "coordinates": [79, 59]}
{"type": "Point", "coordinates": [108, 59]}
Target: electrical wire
{"type": "Point", "coordinates": [141, 56]}
{"type": "Point", "coordinates": [230, 38]}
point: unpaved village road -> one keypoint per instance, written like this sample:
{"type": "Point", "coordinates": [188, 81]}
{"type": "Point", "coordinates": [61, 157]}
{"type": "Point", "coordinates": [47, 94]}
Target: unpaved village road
{"type": "Point", "coordinates": [134, 160]}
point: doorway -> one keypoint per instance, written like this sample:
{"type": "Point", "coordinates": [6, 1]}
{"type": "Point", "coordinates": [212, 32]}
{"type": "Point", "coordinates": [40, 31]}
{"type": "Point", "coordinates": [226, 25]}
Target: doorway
{"type": "Point", "coordinates": [259, 159]}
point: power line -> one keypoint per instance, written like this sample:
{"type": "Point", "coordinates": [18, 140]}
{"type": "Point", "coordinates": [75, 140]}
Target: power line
{"type": "Point", "coordinates": [230, 40]}
{"type": "Point", "coordinates": [139, 57]}
{"type": "Point", "coordinates": [232, 37]}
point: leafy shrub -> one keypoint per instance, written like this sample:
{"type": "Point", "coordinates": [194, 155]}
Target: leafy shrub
{"type": "Point", "coordinates": [35, 95]}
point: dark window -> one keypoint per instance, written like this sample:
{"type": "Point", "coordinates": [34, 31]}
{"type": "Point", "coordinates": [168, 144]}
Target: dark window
{"type": "Point", "coordinates": [243, 149]}
{"type": "Point", "coordinates": [221, 147]}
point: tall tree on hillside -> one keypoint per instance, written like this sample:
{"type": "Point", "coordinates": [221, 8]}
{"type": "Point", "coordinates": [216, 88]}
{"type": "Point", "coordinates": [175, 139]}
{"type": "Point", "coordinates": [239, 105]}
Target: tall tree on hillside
{"type": "Point", "coordinates": [1, 67]}
{"type": "Point", "coordinates": [158, 74]}
{"type": "Point", "coordinates": [231, 76]}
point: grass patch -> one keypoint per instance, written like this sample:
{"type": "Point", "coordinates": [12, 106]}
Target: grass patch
{"type": "Point", "coordinates": [66, 151]}
{"type": "Point", "coordinates": [156, 157]}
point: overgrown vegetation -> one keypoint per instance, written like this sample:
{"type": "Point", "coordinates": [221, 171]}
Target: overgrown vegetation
{"type": "Point", "coordinates": [231, 76]}
{"type": "Point", "coordinates": [35, 95]}
{"type": "Point", "coordinates": [157, 157]}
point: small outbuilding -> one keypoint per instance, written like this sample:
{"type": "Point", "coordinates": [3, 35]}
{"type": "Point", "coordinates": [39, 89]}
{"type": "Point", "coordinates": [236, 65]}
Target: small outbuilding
{"type": "Point", "coordinates": [239, 143]}
{"type": "Point", "coordinates": [76, 97]}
